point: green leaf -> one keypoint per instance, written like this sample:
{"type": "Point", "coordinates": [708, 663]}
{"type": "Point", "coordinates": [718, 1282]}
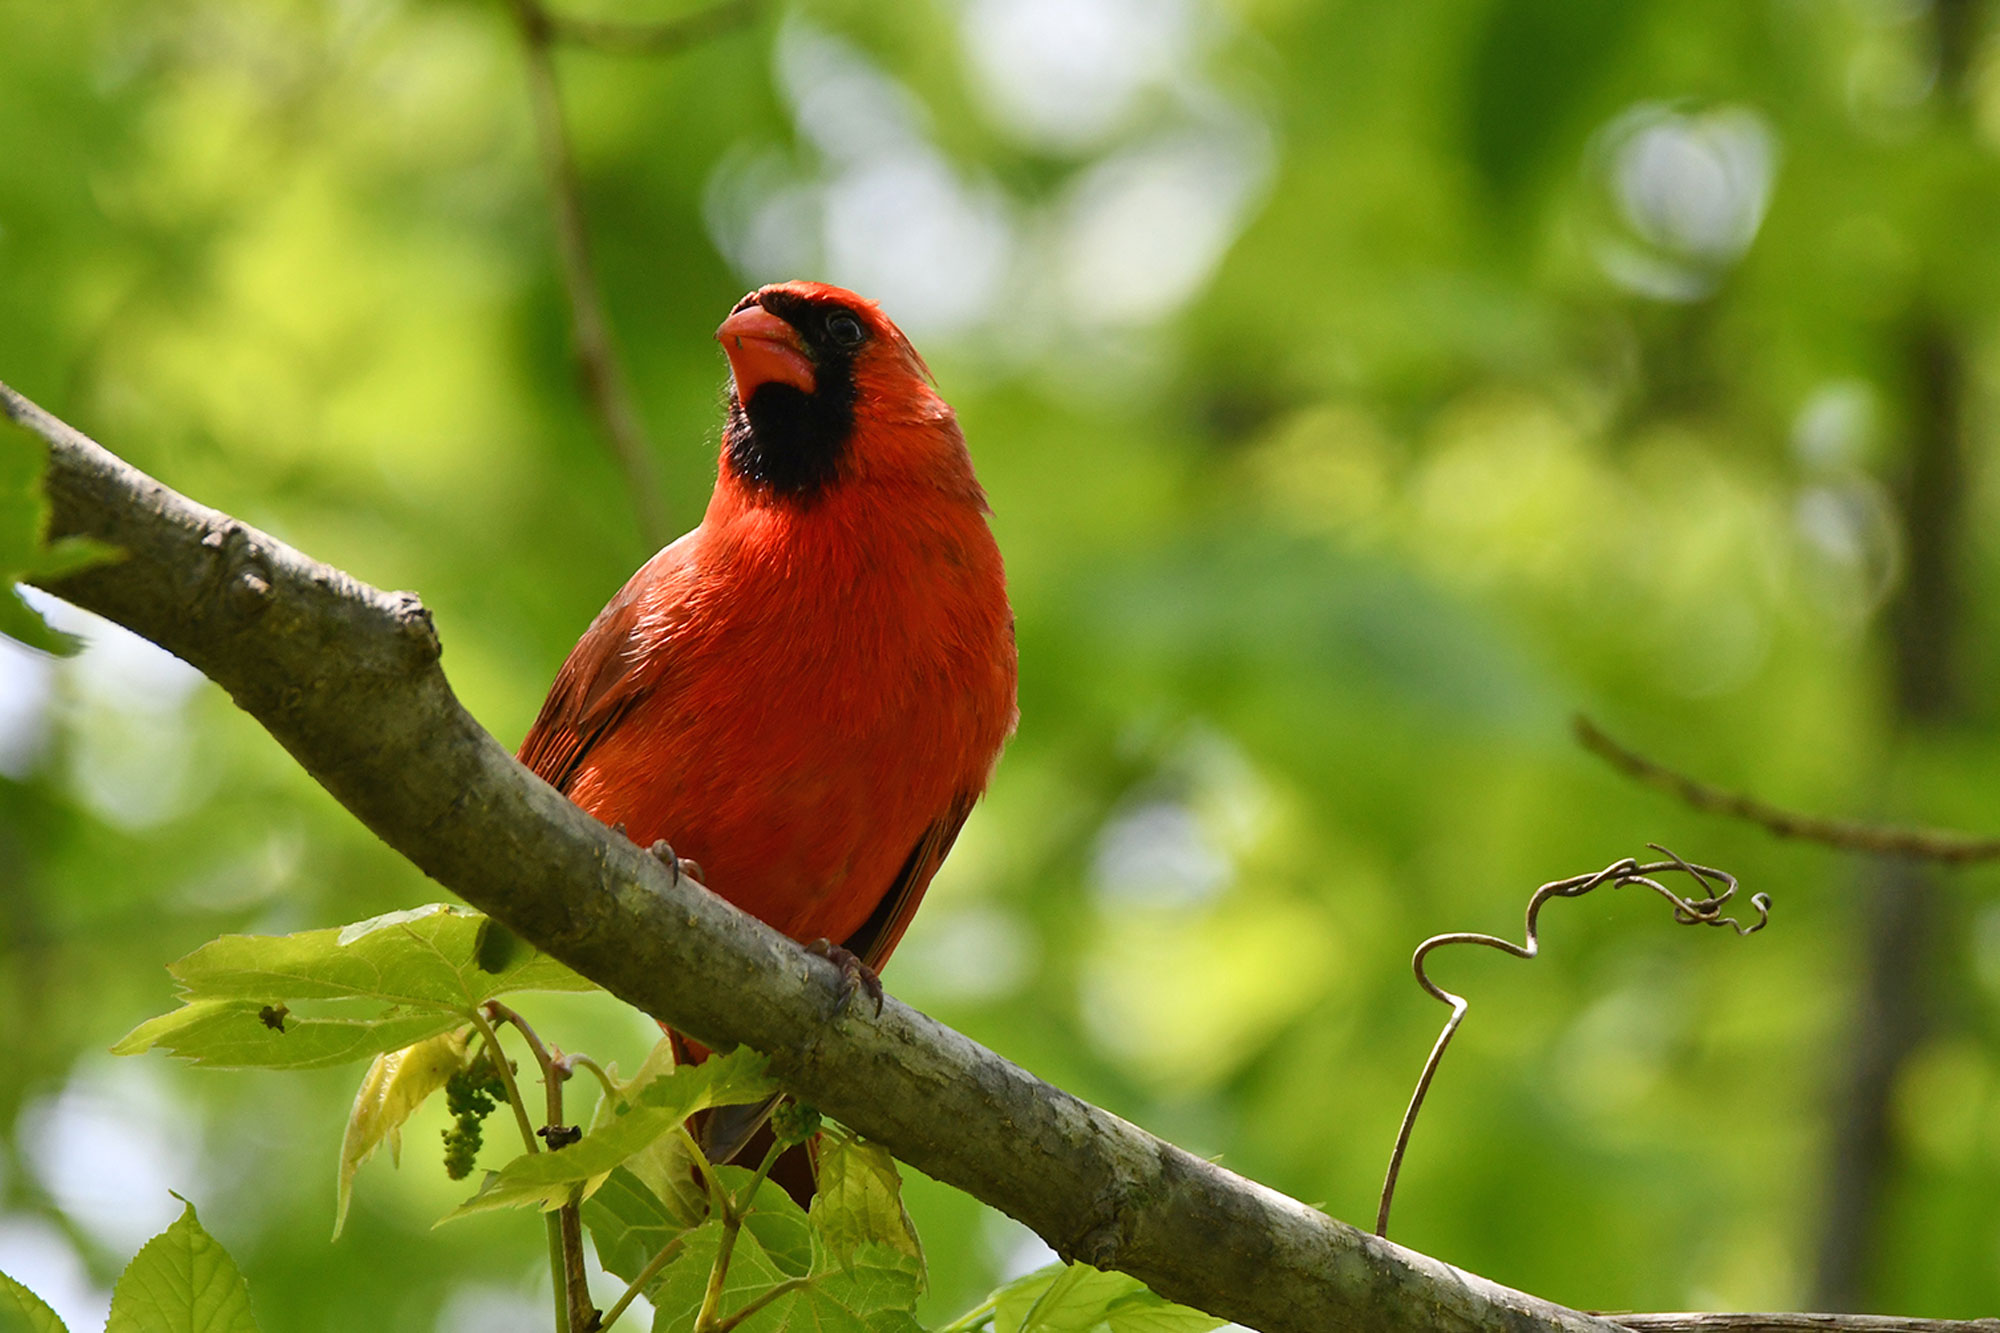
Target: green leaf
{"type": "Point", "coordinates": [25, 553]}
{"type": "Point", "coordinates": [246, 1034]}
{"type": "Point", "coordinates": [396, 1084]}
{"type": "Point", "coordinates": [1079, 1299]}
{"type": "Point", "coordinates": [182, 1281]}
{"type": "Point", "coordinates": [860, 1200]}
{"type": "Point", "coordinates": [870, 1289]}
{"type": "Point", "coordinates": [424, 956]}
{"type": "Point", "coordinates": [21, 1311]}
{"type": "Point", "coordinates": [391, 982]}
{"type": "Point", "coordinates": [664, 1166]}
{"type": "Point", "coordinates": [629, 1224]}
{"type": "Point", "coordinates": [874, 1294]}
{"type": "Point", "coordinates": [736, 1079]}
{"type": "Point", "coordinates": [1146, 1311]}
{"type": "Point", "coordinates": [550, 1179]}
{"type": "Point", "coordinates": [677, 1293]}
{"type": "Point", "coordinates": [1072, 1299]}
{"type": "Point", "coordinates": [776, 1220]}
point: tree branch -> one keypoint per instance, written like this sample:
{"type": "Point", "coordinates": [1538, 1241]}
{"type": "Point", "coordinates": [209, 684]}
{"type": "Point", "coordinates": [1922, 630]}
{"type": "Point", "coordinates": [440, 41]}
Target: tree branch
{"type": "Point", "coordinates": [346, 678]}
{"type": "Point", "coordinates": [603, 375]}
{"type": "Point", "coordinates": [1876, 839]}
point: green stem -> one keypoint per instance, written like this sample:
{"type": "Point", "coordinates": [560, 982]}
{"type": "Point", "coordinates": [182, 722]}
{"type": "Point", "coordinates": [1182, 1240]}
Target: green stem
{"type": "Point", "coordinates": [646, 1275]}
{"type": "Point", "coordinates": [556, 1272]}
{"type": "Point", "coordinates": [527, 1126]}
{"type": "Point", "coordinates": [711, 1299]}
{"type": "Point", "coordinates": [718, 1197]}
{"type": "Point", "coordinates": [771, 1156]}
{"type": "Point", "coordinates": [977, 1317]}
{"type": "Point", "coordinates": [573, 1284]}
{"type": "Point", "coordinates": [585, 1062]}
{"type": "Point", "coordinates": [725, 1208]}
{"type": "Point", "coordinates": [785, 1288]}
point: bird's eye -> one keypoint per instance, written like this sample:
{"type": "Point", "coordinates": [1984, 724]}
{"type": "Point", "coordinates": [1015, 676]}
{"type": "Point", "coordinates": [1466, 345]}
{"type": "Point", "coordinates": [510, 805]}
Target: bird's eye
{"type": "Point", "coordinates": [845, 330]}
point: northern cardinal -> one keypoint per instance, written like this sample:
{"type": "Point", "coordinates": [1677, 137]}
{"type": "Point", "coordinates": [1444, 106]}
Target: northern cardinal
{"type": "Point", "coordinates": [806, 694]}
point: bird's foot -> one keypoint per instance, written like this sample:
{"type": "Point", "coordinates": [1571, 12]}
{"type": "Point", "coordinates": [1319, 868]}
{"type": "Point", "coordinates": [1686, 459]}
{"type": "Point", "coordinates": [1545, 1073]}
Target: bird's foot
{"type": "Point", "coordinates": [855, 975]}
{"type": "Point", "coordinates": [678, 866]}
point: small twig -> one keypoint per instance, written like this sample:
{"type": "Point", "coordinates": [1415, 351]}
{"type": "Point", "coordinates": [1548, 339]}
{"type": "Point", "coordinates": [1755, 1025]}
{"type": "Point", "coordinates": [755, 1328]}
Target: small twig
{"type": "Point", "coordinates": [785, 1288]}
{"type": "Point", "coordinates": [1703, 911]}
{"type": "Point", "coordinates": [717, 1196]}
{"type": "Point", "coordinates": [577, 1060]}
{"type": "Point", "coordinates": [718, 1273]}
{"type": "Point", "coordinates": [500, 1062]}
{"type": "Point", "coordinates": [568, 1219]}
{"type": "Point", "coordinates": [771, 1156]}
{"type": "Point", "coordinates": [603, 374]}
{"type": "Point", "coordinates": [652, 1270]}
{"type": "Point", "coordinates": [732, 1210]}
{"type": "Point", "coordinates": [1938, 845]}
{"type": "Point", "coordinates": [483, 1020]}
{"type": "Point", "coordinates": [978, 1317]}
{"type": "Point", "coordinates": [663, 38]}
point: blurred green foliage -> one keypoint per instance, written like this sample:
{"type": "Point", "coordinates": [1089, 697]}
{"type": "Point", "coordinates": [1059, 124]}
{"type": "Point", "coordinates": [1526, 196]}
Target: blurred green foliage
{"type": "Point", "coordinates": [1360, 389]}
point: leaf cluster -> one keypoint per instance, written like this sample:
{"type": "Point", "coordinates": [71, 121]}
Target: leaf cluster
{"type": "Point", "coordinates": [714, 1248]}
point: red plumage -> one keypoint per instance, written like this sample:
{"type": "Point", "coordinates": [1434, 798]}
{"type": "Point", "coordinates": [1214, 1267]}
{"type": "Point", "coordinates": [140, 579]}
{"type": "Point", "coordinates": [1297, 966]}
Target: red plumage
{"type": "Point", "coordinates": [807, 693]}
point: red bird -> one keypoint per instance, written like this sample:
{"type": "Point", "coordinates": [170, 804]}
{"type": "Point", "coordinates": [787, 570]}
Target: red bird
{"type": "Point", "coordinates": [806, 694]}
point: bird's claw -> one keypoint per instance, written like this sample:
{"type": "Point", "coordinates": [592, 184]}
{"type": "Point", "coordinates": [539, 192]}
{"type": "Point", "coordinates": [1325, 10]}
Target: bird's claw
{"type": "Point", "coordinates": [680, 867]}
{"type": "Point", "coordinates": [855, 975]}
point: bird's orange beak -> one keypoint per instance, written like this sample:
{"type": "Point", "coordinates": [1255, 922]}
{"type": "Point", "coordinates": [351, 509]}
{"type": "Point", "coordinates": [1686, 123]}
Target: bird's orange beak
{"type": "Point", "coordinates": [764, 349]}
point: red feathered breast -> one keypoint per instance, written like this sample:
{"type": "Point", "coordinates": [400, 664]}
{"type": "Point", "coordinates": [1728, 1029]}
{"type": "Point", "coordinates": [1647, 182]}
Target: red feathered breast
{"type": "Point", "coordinates": [804, 699]}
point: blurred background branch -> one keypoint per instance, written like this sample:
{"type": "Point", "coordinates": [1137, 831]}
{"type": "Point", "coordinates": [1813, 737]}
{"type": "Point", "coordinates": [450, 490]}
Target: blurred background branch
{"type": "Point", "coordinates": [599, 368]}
{"type": "Point", "coordinates": [1938, 845]}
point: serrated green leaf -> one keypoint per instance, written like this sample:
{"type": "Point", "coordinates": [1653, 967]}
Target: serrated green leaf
{"type": "Point", "coordinates": [776, 1220]}
{"type": "Point", "coordinates": [877, 1290]}
{"type": "Point", "coordinates": [21, 1311]}
{"type": "Point", "coordinates": [1146, 1311]}
{"type": "Point", "coordinates": [424, 956]}
{"type": "Point", "coordinates": [874, 1289]}
{"type": "Point", "coordinates": [241, 1034]}
{"type": "Point", "coordinates": [405, 977]}
{"type": "Point", "coordinates": [736, 1079]}
{"type": "Point", "coordinates": [1071, 1299]}
{"type": "Point", "coordinates": [1079, 1298]}
{"type": "Point", "coordinates": [677, 1293]}
{"type": "Point", "coordinates": [664, 1166]}
{"type": "Point", "coordinates": [629, 1224]}
{"type": "Point", "coordinates": [874, 1294]}
{"type": "Point", "coordinates": [182, 1281]}
{"type": "Point", "coordinates": [860, 1200]}
{"type": "Point", "coordinates": [396, 1084]}
{"type": "Point", "coordinates": [548, 1180]}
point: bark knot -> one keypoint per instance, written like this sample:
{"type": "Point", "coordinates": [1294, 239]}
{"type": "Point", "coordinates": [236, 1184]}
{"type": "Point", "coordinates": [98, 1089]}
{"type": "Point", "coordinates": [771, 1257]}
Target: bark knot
{"type": "Point", "coordinates": [243, 578]}
{"type": "Point", "coordinates": [414, 620]}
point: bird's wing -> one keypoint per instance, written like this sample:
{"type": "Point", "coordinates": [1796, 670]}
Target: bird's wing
{"type": "Point", "coordinates": [725, 1129]}
{"type": "Point", "coordinates": [600, 682]}
{"type": "Point", "coordinates": [884, 927]}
